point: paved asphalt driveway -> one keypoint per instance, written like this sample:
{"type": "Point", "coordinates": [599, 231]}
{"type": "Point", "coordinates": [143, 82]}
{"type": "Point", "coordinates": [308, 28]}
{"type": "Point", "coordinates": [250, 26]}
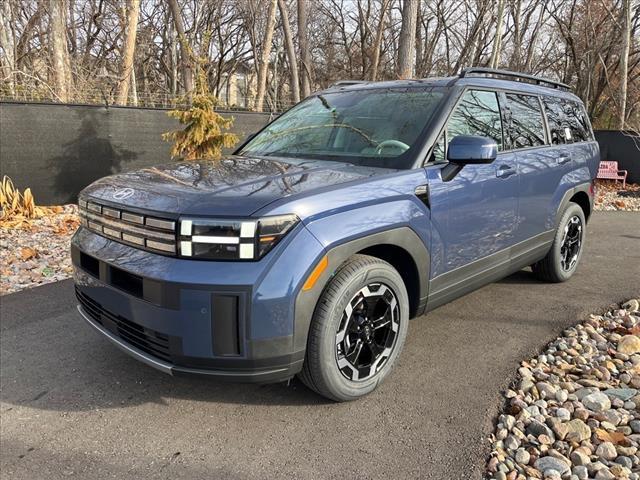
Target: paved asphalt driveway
{"type": "Point", "coordinates": [74, 406]}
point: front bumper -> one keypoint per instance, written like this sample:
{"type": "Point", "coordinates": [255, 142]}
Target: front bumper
{"type": "Point", "coordinates": [230, 320]}
{"type": "Point", "coordinates": [264, 375]}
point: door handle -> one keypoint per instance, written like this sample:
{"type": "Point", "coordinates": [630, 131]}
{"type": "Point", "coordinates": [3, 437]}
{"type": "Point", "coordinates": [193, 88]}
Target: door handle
{"type": "Point", "coordinates": [562, 159]}
{"type": "Point", "coordinates": [505, 171]}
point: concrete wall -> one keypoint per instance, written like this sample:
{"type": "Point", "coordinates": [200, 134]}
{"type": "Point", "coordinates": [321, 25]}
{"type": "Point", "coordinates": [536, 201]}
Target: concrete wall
{"type": "Point", "coordinates": [622, 148]}
{"type": "Point", "coordinates": [59, 149]}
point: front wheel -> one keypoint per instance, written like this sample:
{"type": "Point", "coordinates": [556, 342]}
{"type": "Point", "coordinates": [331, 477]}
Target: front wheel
{"type": "Point", "coordinates": [563, 258]}
{"type": "Point", "coordinates": [358, 330]}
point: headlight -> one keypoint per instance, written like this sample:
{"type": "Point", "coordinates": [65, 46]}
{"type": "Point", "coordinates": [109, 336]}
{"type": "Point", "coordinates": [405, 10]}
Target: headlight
{"type": "Point", "coordinates": [232, 239]}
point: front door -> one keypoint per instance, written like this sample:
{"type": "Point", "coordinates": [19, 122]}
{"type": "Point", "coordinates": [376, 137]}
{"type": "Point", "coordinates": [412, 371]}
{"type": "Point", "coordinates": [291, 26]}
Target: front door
{"type": "Point", "coordinates": [474, 215]}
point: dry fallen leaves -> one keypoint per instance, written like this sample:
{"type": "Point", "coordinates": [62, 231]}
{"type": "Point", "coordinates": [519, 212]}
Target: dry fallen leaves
{"type": "Point", "coordinates": [38, 251]}
{"type": "Point", "coordinates": [616, 438]}
{"type": "Point", "coordinates": [27, 253]}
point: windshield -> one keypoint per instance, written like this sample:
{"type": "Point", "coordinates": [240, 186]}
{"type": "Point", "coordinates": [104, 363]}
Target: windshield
{"type": "Point", "coordinates": [366, 127]}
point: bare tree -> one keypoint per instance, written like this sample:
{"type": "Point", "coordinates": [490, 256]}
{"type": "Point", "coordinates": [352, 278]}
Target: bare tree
{"type": "Point", "coordinates": [265, 54]}
{"type": "Point", "coordinates": [497, 42]}
{"type": "Point", "coordinates": [291, 51]}
{"type": "Point", "coordinates": [624, 61]}
{"type": "Point", "coordinates": [185, 50]}
{"type": "Point", "coordinates": [407, 46]}
{"type": "Point", "coordinates": [127, 72]}
{"type": "Point", "coordinates": [377, 43]}
{"type": "Point", "coordinates": [303, 45]}
{"type": "Point", "coordinates": [578, 41]}
{"type": "Point", "coordinates": [7, 46]}
{"type": "Point", "coordinates": [58, 48]}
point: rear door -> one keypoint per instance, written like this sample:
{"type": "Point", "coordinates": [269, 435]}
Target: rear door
{"type": "Point", "coordinates": [541, 166]}
{"type": "Point", "coordinates": [475, 214]}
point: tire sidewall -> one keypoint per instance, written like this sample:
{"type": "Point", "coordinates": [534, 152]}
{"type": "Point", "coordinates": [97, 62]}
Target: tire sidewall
{"type": "Point", "coordinates": [342, 387]}
{"type": "Point", "coordinates": [571, 211]}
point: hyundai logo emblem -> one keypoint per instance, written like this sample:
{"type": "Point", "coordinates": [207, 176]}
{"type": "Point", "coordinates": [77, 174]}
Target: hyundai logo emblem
{"type": "Point", "coordinates": [123, 193]}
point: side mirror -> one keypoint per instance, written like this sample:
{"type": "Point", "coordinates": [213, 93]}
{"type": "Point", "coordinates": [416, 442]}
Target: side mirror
{"type": "Point", "coordinates": [472, 149]}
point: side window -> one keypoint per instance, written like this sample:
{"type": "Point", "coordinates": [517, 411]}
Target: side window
{"type": "Point", "coordinates": [478, 113]}
{"type": "Point", "coordinates": [568, 121]}
{"type": "Point", "coordinates": [526, 126]}
{"type": "Point", "coordinates": [438, 150]}
{"type": "Point", "coordinates": [579, 123]}
{"type": "Point", "coordinates": [557, 120]}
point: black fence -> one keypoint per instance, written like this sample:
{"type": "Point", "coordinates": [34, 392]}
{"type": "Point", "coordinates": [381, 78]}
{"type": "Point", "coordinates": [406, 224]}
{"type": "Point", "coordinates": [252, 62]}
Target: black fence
{"type": "Point", "coordinates": [623, 148]}
{"type": "Point", "coordinates": [59, 149]}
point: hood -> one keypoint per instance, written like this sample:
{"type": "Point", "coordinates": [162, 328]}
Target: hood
{"type": "Point", "coordinates": [233, 186]}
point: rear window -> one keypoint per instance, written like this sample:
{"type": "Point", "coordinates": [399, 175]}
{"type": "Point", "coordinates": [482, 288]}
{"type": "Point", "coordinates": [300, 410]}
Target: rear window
{"type": "Point", "coordinates": [526, 124]}
{"type": "Point", "coordinates": [580, 123]}
{"type": "Point", "coordinates": [568, 122]}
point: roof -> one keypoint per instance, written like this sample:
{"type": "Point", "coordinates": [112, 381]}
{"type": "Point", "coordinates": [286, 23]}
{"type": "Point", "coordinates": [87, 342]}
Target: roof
{"type": "Point", "coordinates": [479, 77]}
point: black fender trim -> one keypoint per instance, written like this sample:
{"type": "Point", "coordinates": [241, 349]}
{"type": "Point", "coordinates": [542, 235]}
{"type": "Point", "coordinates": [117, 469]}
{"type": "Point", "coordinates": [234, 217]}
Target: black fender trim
{"type": "Point", "coordinates": [566, 198]}
{"type": "Point", "coordinates": [403, 237]}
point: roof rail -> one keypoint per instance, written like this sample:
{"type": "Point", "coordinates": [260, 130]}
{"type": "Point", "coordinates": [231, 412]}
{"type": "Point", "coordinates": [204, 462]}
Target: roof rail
{"type": "Point", "coordinates": [512, 75]}
{"type": "Point", "coordinates": [345, 83]}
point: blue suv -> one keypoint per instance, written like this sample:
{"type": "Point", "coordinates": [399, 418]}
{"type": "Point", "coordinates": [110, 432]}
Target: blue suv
{"type": "Point", "coordinates": [308, 250]}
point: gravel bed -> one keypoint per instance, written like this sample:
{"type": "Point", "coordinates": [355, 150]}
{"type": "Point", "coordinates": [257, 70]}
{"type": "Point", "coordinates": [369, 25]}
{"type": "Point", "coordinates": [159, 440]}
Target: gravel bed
{"type": "Point", "coordinates": [610, 196]}
{"type": "Point", "coordinates": [574, 411]}
{"type": "Point", "coordinates": [37, 252]}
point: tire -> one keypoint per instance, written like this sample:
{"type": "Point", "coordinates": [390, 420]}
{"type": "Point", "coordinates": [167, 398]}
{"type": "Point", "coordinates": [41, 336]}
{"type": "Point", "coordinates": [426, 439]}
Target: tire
{"type": "Point", "coordinates": [556, 266]}
{"type": "Point", "coordinates": [365, 286]}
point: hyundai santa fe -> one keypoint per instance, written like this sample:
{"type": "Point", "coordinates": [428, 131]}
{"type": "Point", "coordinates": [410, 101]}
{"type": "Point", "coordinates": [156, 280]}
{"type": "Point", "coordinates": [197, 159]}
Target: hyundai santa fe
{"type": "Point", "coordinates": [308, 250]}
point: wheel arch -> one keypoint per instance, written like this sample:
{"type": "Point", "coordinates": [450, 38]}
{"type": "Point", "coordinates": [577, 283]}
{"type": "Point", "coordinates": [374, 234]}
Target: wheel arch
{"type": "Point", "coordinates": [405, 264]}
{"type": "Point", "coordinates": [401, 247]}
{"type": "Point", "coordinates": [582, 199]}
{"type": "Point", "coordinates": [579, 194]}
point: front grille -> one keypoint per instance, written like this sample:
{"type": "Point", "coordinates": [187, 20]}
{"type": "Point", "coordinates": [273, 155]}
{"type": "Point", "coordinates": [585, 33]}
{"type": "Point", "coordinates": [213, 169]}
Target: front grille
{"type": "Point", "coordinates": [141, 231]}
{"type": "Point", "coordinates": [149, 341]}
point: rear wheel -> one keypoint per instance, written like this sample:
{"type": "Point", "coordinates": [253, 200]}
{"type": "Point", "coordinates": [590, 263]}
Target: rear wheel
{"type": "Point", "coordinates": [563, 258]}
{"type": "Point", "coordinates": [358, 330]}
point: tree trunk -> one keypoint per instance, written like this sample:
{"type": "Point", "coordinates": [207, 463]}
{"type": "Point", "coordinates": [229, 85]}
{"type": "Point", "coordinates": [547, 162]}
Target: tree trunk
{"type": "Point", "coordinates": [173, 55]}
{"type": "Point", "coordinates": [305, 59]}
{"type": "Point", "coordinates": [7, 46]}
{"type": "Point", "coordinates": [185, 50]}
{"type": "Point", "coordinates": [406, 49]}
{"type": "Point", "coordinates": [129, 50]}
{"type": "Point", "coordinates": [377, 43]}
{"type": "Point", "coordinates": [73, 37]}
{"type": "Point", "coordinates": [291, 51]}
{"type": "Point", "coordinates": [472, 38]}
{"type": "Point", "coordinates": [516, 56]}
{"type": "Point", "coordinates": [58, 49]}
{"type": "Point", "coordinates": [624, 61]}
{"type": "Point", "coordinates": [264, 55]}
{"type": "Point", "coordinates": [134, 88]}
{"type": "Point", "coordinates": [497, 42]}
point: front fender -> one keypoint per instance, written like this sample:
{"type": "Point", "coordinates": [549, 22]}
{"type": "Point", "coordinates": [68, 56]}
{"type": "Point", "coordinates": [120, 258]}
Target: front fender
{"type": "Point", "coordinates": [401, 223]}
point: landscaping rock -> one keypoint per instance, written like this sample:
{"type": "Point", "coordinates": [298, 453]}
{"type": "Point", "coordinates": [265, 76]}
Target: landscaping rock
{"type": "Point", "coordinates": [629, 344]}
{"type": "Point", "coordinates": [578, 431]}
{"type": "Point", "coordinates": [597, 402]}
{"type": "Point", "coordinates": [576, 417]}
{"type": "Point", "coordinates": [545, 464]}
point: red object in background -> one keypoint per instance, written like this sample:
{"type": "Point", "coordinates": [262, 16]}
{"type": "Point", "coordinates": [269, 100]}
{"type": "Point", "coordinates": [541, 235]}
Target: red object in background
{"type": "Point", "coordinates": [609, 170]}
